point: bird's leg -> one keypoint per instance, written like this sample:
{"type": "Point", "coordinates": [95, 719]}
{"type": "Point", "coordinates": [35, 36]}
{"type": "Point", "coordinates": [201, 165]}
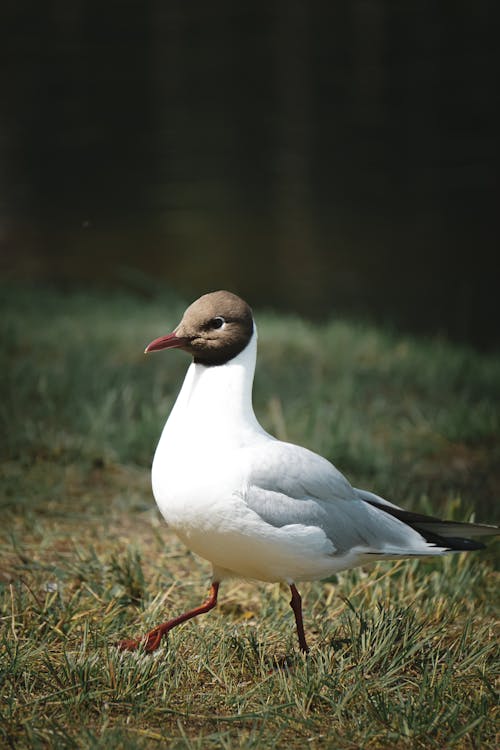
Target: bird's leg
{"type": "Point", "coordinates": [296, 605]}
{"type": "Point", "coordinates": [153, 638]}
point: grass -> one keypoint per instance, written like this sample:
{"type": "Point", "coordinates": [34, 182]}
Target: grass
{"type": "Point", "coordinates": [403, 655]}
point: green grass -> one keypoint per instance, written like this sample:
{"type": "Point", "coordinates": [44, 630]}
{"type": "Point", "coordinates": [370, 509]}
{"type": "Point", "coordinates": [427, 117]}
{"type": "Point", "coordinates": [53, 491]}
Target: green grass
{"type": "Point", "coordinates": [403, 655]}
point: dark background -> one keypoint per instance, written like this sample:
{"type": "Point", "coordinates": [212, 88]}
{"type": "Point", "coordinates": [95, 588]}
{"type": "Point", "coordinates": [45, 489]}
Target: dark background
{"type": "Point", "coordinates": [321, 157]}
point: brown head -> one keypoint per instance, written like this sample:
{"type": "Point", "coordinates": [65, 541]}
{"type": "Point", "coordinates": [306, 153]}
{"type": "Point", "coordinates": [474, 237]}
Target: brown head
{"type": "Point", "coordinates": [214, 329]}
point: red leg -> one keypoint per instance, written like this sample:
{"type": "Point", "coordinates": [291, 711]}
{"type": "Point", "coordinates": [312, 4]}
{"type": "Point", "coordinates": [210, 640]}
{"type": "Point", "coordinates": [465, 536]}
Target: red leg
{"type": "Point", "coordinates": [296, 605]}
{"type": "Point", "coordinates": [153, 638]}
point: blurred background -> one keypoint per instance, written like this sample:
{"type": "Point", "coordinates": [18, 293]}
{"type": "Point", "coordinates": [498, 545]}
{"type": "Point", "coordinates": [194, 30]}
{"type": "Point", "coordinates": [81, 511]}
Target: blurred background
{"type": "Point", "coordinates": [326, 157]}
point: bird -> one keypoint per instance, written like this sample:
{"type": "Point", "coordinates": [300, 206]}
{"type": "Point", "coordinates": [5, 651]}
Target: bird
{"type": "Point", "coordinates": [252, 505]}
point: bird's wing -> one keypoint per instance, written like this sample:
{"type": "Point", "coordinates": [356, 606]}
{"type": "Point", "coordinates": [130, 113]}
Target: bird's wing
{"type": "Point", "coordinates": [430, 524]}
{"type": "Point", "coordinates": [289, 485]}
{"type": "Point", "coordinates": [297, 472]}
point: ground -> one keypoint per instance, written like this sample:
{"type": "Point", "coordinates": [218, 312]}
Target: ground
{"type": "Point", "coordinates": [402, 654]}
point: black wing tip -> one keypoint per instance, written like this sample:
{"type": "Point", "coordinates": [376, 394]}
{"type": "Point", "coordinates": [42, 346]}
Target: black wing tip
{"type": "Point", "coordinates": [421, 523]}
{"type": "Point", "coordinates": [449, 543]}
{"type": "Point", "coordinates": [456, 544]}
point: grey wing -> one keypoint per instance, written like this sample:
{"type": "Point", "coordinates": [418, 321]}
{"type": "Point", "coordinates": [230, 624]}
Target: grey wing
{"type": "Point", "coordinates": [291, 485]}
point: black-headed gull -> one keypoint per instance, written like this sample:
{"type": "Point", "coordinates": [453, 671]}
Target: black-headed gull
{"type": "Point", "coordinates": [254, 506]}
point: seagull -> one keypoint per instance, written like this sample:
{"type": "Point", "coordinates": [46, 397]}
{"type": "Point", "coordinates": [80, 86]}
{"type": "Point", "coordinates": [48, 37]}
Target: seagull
{"type": "Point", "coordinates": [252, 505]}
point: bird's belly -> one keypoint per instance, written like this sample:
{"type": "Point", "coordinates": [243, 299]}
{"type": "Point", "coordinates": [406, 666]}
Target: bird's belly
{"type": "Point", "coordinates": [266, 555]}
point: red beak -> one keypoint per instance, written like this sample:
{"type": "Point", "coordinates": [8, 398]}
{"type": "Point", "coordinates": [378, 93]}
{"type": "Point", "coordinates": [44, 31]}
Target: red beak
{"type": "Point", "coordinates": [172, 341]}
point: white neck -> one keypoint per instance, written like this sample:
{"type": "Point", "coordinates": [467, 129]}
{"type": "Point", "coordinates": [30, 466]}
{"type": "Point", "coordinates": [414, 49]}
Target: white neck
{"type": "Point", "coordinates": [215, 403]}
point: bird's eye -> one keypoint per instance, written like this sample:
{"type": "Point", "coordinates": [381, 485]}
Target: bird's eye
{"type": "Point", "coordinates": [217, 322]}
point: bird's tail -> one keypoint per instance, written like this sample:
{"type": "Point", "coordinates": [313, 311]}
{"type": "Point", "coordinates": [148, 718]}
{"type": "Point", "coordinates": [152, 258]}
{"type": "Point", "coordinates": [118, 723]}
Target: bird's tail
{"type": "Point", "coordinates": [450, 535]}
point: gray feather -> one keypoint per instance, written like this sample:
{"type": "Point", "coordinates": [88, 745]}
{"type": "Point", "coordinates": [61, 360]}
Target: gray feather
{"type": "Point", "coordinates": [291, 485]}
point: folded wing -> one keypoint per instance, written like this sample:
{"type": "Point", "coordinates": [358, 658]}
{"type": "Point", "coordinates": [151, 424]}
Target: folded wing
{"type": "Point", "coordinates": [290, 485]}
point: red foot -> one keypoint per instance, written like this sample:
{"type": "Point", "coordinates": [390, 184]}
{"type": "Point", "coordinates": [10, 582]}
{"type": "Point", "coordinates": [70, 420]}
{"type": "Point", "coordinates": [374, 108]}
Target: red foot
{"type": "Point", "coordinates": [153, 639]}
{"type": "Point", "coordinates": [127, 645]}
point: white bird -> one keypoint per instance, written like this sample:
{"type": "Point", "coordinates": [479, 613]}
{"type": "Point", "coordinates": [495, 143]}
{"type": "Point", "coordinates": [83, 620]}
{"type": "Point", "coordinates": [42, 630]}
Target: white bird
{"type": "Point", "coordinates": [254, 506]}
